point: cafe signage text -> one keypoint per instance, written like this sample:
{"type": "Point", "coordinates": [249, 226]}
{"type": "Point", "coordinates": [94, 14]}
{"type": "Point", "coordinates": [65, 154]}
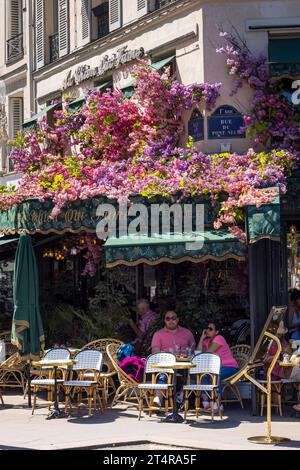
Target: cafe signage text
{"type": "Point", "coordinates": [85, 72]}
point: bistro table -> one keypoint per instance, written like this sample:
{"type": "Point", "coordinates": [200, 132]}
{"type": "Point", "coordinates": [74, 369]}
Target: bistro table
{"type": "Point", "coordinates": [56, 412]}
{"type": "Point", "coordinates": [174, 417]}
{"type": "Point", "coordinates": [289, 364]}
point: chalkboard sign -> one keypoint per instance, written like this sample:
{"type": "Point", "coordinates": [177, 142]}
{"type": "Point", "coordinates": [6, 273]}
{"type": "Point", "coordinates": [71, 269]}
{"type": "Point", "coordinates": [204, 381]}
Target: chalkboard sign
{"type": "Point", "coordinates": [196, 126]}
{"type": "Point", "coordinates": [226, 123]}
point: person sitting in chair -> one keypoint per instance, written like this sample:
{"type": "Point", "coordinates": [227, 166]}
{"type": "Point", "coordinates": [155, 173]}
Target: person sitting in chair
{"type": "Point", "coordinates": [212, 341]}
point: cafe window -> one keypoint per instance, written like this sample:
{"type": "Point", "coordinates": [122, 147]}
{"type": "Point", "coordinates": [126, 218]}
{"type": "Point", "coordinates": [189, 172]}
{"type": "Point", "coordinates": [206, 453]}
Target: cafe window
{"type": "Point", "coordinates": [6, 293]}
{"type": "Point", "coordinates": [284, 87]}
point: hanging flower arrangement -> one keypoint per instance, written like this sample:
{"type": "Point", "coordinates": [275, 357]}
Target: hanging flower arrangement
{"type": "Point", "coordinates": [126, 147]}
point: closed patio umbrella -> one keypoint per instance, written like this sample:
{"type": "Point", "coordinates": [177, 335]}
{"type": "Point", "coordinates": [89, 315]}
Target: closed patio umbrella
{"type": "Point", "coordinates": [27, 328]}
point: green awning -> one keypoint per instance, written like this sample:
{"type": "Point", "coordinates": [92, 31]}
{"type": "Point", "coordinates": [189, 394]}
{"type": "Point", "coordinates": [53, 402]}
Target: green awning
{"type": "Point", "coordinates": [264, 221]}
{"type": "Point", "coordinates": [77, 104]}
{"type": "Point", "coordinates": [173, 248]}
{"type": "Point", "coordinates": [29, 124]}
{"type": "Point", "coordinates": [284, 56]}
{"type": "Point", "coordinates": [162, 63]}
{"type": "Point", "coordinates": [128, 91]}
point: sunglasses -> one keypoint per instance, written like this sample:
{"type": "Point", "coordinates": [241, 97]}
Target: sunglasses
{"type": "Point", "coordinates": [209, 328]}
{"type": "Point", "coordinates": [171, 318]}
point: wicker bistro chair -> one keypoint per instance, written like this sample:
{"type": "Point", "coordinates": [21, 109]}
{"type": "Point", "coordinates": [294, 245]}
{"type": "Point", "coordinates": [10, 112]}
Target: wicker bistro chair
{"type": "Point", "coordinates": [87, 361]}
{"type": "Point", "coordinates": [127, 392]}
{"type": "Point", "coordinates": [109, 373]}
{"type": "Point", "coordinates": [148, 389]}
{"type": "Point", "coordinates": [241, 354]}
{"type": "Point", "coordinates": [45, 379]}
{"type": "Point", "coordinates": [12, 373]}
{"type": "Point", "coordinates": [207, 365]}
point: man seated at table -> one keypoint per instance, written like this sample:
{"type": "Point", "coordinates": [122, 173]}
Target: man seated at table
{"type": "Point", "coordinates": [174, 339]}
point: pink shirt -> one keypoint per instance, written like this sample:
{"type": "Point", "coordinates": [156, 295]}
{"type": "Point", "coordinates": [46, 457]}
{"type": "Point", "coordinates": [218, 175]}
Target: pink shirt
{"type": "Point", "coordinates": [145, 324]}
{"type": "Point", "coordinates": [147, 321]}
{"type": "Point", "coordinates": [223, 351]}
{"type": "Point", "coordinates": [165, 340]}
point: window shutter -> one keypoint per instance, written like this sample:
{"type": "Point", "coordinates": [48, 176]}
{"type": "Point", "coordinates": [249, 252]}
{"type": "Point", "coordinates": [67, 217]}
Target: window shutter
{"type": "Point", "coordinates": [142, 8]}
{"type": "Point", "coordinates": [16, 109]}
{"type": "Point", "coordinates": [63, 27]}
{"type": "Point", "coordinates": [15, 18]}
{"type": "Point", "coordinates": [86, 16]}
{"type": "Point", "coordinates": [115, 14]}
{"type": "Point", "coordinates": [40, 32]}
{"type": "Point", "coordinates": [16, 116]}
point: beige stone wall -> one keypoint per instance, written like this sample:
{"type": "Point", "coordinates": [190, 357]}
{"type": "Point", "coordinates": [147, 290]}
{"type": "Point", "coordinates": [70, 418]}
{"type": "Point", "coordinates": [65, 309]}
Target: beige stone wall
{"type": "Point", "coordinates": [190, 29]}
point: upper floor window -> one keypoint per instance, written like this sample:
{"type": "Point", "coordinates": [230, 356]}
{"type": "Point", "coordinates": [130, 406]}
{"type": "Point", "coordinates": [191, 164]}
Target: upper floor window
{"type": "Point", "coordinates": [14, 44]}
{"type": "Point", "coordinates": [51, 30]}
{"type": "Point", "coordinates": [101, 15]}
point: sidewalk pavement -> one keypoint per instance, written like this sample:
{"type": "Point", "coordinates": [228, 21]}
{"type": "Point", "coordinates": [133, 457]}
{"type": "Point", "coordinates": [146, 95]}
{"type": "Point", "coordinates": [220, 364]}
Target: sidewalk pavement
{"type": "Point", "coordinates": [20, 430]}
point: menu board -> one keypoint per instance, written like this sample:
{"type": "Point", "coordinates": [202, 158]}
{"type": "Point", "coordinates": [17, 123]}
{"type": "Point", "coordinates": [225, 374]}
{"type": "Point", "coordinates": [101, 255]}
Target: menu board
{"type": "Point", "coordinates": [272, 324]}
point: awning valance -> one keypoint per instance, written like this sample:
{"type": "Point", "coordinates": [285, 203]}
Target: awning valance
{"type": "Point", "coordinates": [173, 248]}
{"type": "Point", "coordinates": [29, 124]}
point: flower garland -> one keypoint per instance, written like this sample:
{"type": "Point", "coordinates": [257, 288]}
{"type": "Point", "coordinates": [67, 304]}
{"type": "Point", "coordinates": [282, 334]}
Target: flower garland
{"type": "Point", "coordinates": [272, 120]}
{"type": "Point", "coordinates": [119, 147]}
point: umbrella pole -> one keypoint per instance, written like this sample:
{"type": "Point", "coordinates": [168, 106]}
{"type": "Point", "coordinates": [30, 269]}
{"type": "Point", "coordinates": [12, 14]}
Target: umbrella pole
{"type": "Point", "coordinates": [28, 367]}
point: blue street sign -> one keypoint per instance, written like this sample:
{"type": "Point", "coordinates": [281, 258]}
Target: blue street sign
{"type": "Point", "coordinates": [226, 123]}
{"type": "Point", "coordinates": [196, 126]}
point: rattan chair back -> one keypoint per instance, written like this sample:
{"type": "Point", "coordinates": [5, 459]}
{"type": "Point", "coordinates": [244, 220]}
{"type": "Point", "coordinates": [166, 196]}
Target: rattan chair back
{"type": "Point", "coordinates": [112, 350]}
{"type": "Point", "coordinates": [206, 363]}
{"type": "Point", "coordinates": [241, 354]}
{"type": "Point", "coordinates": [89, 359]}
{"type": "Point", "coordinates": [57, 354]}
{"type": "Point", "coordinates": [101, 344]}
{"type": "Point", "coordinates": [160, 358]}
{"type": "Point", "coordinates": [10, 349]}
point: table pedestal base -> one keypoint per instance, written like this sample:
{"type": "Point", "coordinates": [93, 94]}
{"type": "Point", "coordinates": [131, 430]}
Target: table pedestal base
{"type": "Point", "coordinates": [272, 440]}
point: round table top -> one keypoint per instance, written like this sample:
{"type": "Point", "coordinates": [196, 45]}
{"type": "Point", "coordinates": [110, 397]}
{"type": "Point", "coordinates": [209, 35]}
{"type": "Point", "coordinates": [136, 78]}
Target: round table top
{"type": "Point", "coordinates": [177, 366]}
{"type": "Point", "coordinates": [54, 363]}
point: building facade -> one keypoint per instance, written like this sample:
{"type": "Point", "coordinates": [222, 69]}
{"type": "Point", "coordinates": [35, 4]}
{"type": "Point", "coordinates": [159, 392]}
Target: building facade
{"type": "Point", "coordinates": [56, 47]}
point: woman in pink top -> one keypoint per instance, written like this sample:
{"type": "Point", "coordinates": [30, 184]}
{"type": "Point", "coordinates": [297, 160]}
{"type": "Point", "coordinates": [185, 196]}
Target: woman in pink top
{"type": "Point", "coordinates": [211, 341]}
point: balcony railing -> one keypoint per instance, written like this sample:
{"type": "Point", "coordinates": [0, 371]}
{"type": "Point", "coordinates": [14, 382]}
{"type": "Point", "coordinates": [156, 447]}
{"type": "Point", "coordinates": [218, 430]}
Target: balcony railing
{"type": "Point", "coordinates": [15, 50]}
{"type": "Point", "coordinates": [54, 47]}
